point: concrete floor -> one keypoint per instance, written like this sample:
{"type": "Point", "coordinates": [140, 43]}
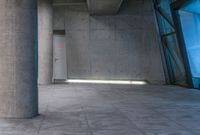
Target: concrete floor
{"type": "Point", "coordinates": [111, 110]}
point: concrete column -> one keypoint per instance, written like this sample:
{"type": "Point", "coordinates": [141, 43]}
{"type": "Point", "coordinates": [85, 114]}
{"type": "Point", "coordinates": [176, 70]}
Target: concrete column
{"type": "Point", "coordinates": [18, 59]}
{"type": "Point", "coordinates": [45, 38]}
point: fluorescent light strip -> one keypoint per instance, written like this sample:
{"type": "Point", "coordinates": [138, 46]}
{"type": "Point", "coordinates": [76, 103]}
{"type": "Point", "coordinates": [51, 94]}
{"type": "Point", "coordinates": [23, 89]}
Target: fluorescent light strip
{"type": "Point", "coordinates": [106, 82]}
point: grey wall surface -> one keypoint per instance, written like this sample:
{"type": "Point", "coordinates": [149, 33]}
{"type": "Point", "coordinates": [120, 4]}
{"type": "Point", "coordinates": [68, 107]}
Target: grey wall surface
{"type": "Point", "coordinates": [111, 47]}
{"type": "Point", "coordinates": [18, 58]}
{"type": "Point", "coordinates": [45, 41]}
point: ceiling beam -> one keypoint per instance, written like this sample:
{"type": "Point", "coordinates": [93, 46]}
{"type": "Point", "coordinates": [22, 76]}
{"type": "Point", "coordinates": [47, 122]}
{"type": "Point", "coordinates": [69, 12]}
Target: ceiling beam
{"type": "Point", "coordinates": [104, 7]}
{"type": "Point", "coordinates": [68, 2]}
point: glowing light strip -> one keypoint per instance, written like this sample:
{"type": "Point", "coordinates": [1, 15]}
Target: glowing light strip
{"type": "Point", "coordinates": [106, 82]}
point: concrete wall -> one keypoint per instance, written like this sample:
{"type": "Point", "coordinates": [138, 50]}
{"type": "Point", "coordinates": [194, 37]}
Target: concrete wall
{"type": "Point", "coordinates": [111, 47]}
{"type": "Point", "coordinates": [45, 41]}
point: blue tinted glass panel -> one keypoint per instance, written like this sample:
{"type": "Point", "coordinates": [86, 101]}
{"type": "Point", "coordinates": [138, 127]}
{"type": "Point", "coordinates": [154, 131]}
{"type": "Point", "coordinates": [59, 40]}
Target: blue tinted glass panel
{"type": "Point", "coordinates": [192, 6]}
{"type": "Point", "coordinates": [191, 31]}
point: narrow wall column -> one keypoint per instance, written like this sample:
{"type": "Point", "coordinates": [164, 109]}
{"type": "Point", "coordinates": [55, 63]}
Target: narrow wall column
{"type": "Point", "coordinates": [45, 40]}
{"type": "Point", "coordinates": [18, 59]}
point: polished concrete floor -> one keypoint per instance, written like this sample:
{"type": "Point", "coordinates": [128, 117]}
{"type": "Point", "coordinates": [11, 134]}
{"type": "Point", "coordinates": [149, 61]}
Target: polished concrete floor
{"type": "Point", "coordinates": [111, 110]}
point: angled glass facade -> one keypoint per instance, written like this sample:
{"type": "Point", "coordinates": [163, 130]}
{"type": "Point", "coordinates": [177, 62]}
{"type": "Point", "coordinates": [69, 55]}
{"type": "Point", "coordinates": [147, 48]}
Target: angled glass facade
{"type": "Point", "coordinates": [172, 58]}
{"type": "Point", "coordinates": [188, 17]}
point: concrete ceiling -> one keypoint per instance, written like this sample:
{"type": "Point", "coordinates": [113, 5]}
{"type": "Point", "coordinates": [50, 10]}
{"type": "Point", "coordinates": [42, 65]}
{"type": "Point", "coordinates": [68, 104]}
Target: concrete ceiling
{"type": "Point", "coordinates": [68, 2]}
{"type": "Point", "coordinates": [95, 7]}
{"type": "Point", "coordinates": [103, 7]}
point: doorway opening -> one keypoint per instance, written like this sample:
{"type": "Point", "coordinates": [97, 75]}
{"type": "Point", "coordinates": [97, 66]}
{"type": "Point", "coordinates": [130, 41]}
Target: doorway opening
{"type": "Point", "coordinates": [59, 56]}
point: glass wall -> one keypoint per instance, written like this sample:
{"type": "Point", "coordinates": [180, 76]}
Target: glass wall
{"type": "Point", "coordinates": [172, 58]}
{"type": "Point", "coordinates": [189, 21]}
{"type": "Point", "coordinates": [186, 18]}
{"type": "Point", "coordinates": [191, 31]}
{"type": "Point", "coordinates": [179, 27]}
